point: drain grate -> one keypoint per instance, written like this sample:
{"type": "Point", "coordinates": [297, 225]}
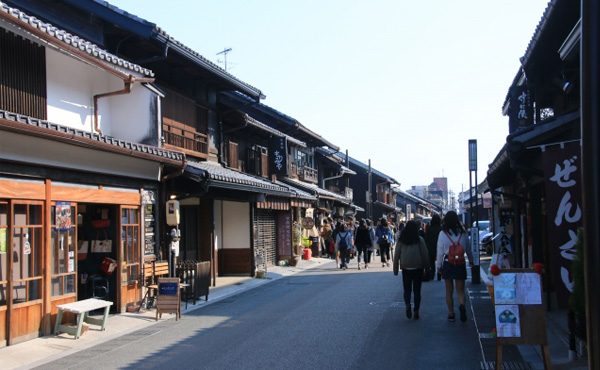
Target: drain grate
{"type": "Point", "coordinates": [491, 365]}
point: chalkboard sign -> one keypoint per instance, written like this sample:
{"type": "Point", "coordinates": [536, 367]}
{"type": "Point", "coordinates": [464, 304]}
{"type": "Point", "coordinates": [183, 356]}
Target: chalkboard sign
{"type": "Point", "coordinates": [168, 288]}
{"type": "Point", "coordinates": [284, 234]}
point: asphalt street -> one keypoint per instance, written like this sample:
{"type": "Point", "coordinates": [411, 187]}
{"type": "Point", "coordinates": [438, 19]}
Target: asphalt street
{"type": "Point", "coordinates": [322, 318]}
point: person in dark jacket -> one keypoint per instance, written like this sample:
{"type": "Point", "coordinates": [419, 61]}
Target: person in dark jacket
{"type": "Point", "coordinates": [431, 239]}
{"type": "Point", "coordinates": [363, 243]}
{"type": "Point", "coordinates": [412, 257]}
{"type": "Point", "coordinates": [384, 239]}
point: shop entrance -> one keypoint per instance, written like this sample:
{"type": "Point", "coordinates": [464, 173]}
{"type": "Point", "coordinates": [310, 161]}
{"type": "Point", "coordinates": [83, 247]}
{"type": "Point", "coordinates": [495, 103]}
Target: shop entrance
{"type": "Point", "coordinates": [97, 255]}
{"type": "Point", "coordinates": [109, 254]}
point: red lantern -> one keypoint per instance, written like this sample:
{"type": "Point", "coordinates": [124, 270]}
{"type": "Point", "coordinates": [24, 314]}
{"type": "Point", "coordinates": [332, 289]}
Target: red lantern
{"type": "Point", "coordinates": [538, 267]}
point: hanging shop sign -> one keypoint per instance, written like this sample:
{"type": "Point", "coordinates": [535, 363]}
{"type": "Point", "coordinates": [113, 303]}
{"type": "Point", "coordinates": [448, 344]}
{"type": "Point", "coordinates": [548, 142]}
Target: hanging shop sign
{"type": "Point", "coordinates": [278, 156]}
{"type": "Point", "coordinates": [148, 202]}
{"type": "Point", "coordinates": [520, 111]}
{"type": "Point", "coordinates": [562, 173]}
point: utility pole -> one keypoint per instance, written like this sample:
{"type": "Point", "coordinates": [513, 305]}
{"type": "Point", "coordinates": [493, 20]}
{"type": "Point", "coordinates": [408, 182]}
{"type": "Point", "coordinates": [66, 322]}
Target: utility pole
{"type": "Point", "coordinates": [224, 52]}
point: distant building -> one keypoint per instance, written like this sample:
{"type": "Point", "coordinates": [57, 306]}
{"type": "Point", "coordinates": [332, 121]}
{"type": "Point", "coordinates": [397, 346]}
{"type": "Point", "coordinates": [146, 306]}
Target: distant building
{"type": "Point", "coordinates": [436, 192]}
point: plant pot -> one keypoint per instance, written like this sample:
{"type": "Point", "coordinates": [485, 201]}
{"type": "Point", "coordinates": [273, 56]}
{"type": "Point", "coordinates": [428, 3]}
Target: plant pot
{"type": "Point", "coordinates": [294, 260]}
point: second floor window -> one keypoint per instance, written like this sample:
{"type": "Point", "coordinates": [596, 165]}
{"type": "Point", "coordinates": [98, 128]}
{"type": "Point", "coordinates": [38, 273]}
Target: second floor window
{"type": "Point", "coordinates": [179, 109]}
{"type": "Point", "coordinates": [22, 76]}
{"type": "Point", "coordinates": [303, 159]}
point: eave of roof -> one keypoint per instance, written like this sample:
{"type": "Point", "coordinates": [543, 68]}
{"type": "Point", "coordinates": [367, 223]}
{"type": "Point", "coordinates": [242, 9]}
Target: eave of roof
{"type": "Point", "coordinates": [292, 123]}
{"type": "Point", "coordinates": [66, 41]}
{"type": "Point", "coordinates": [149, 30]}
{"type": "Point", "coordinates": [36, 127]}
{"type": "Point", "coordinates": [373, 170]}
{"type": "Point", "coordinates": [269, 129]}
{"type": "Point", "coordinates": [320, 192]}
{"type": "Point", "coordinates": [219, 176]}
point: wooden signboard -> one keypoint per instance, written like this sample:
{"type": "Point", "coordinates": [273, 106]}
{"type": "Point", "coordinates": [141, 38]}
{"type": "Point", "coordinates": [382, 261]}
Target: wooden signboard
{"type": "Point", "coordinates": [168, 298]}
{"type": "Point", "coordinates": [519, 311]}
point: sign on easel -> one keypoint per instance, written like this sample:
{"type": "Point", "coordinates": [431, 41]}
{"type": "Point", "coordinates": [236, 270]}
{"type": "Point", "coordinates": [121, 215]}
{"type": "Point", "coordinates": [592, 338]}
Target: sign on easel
{"type": "Point", "coordinates": [519, 312]}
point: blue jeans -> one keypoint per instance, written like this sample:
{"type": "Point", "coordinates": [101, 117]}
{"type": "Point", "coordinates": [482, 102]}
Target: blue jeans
{"type": "Point", "coordinates": [412, 280]}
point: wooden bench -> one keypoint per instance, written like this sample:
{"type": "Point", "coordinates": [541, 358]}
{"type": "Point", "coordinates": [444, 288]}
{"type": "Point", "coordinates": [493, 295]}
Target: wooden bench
{"type": "Point", "coordinates": [82, 309]}
{"type": "Point", "coordinates": [152, 271]}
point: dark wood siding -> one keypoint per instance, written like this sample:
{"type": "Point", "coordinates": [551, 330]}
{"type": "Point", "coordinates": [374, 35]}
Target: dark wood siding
{"type": "Point", "coordinates": [22, 76]}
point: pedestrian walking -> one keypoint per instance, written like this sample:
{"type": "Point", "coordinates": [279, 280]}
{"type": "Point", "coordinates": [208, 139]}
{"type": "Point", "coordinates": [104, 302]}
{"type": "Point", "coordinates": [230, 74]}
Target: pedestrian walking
{"type": "Point", "coordinates": [326, 233]}
{"type": "Point", "coordinates": [451, 247]}
{"type": "Point", "coordinates": [384, 240]}
{"type": "Point", "coordinates": [344, 241]}
{"type": "Point", "coordinates": [412, 257]}
{"type": "Point", "coordinates": [431, 239]}
{"type": "Point", "coordinates": [363, 243]}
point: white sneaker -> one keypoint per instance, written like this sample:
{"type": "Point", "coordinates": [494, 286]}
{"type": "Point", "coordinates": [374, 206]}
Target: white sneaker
{"type": "Point", "coordinates": [359, 266]}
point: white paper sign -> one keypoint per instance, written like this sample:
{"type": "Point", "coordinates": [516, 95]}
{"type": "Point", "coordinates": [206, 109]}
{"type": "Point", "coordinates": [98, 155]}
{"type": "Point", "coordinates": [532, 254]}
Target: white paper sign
{"type": "Point", "coordinates": [508, 322]}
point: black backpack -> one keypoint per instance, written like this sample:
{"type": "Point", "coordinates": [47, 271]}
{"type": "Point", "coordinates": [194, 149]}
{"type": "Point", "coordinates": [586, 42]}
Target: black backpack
{"type": "Point", "coordinates": [383, 241]}
{"type": "Point", "coordinates": [343, 244]}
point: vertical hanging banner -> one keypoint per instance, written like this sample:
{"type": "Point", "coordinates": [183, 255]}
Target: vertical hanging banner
{"type": "Point", "coordinates": [520, 111]}
{"type": "Point", "coordinates": [278, 156]}
{"type": "Point", "coordinates": [562, 173]}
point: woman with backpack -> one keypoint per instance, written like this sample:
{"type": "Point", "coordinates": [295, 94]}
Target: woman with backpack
{"type": "Point", "coordinates": [412, 257]}
{"type": "Point", "coordinates": [453, 242]}
{"type": "Point", "coordinates": [344, 241]}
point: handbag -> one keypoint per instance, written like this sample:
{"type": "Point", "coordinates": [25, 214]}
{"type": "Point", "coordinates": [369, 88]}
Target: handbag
{"type": "Point", "coordinates": [82, 251]}
{"type": "Point", "coordinates": [102, 246]}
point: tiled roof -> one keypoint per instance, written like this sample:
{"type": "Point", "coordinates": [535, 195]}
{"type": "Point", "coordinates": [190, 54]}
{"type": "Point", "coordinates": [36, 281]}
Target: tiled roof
{"type": "Point", "coordinates": [27, 121]}
{"type": "Point", "coordinates": [162, 34]}
{"type": "Point", "coordinates": [62, 36]}
{"type": "Point", "coordinates": [257, 123]}
{"type": "Point", "coordinates": [357, 163]}
{"type": "Point", "coordinates": [299, 193]}
{"type": "Point", "coordinates": [216, 172]}
{"type": "Point", "coordinates": [318, 190]}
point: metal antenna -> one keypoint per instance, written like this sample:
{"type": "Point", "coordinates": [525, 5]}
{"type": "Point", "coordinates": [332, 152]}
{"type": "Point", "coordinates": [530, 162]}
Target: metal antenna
{"type": "Point", "coordinates": [224, 52]}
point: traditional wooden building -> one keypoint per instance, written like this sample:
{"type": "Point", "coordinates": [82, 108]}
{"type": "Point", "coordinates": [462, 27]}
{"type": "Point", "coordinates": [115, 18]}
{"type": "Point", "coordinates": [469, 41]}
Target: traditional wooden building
{"type": "Point", "coordinates": [80, 172]}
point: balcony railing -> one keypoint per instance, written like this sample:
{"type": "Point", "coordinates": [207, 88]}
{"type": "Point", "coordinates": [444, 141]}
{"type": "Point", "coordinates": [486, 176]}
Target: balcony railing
{"type": "Point", "coordinates": [308, 174]}
{"type": "Point", "coordinates": [192, 142]}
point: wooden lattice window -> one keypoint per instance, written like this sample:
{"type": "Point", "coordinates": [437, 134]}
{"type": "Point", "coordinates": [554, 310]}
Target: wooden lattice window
{"type": "Point", "coordinates": [22, 76]}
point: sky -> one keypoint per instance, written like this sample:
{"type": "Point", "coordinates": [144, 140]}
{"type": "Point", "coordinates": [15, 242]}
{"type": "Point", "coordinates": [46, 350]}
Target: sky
{"type": "Point", "coordinates": [404, 84]}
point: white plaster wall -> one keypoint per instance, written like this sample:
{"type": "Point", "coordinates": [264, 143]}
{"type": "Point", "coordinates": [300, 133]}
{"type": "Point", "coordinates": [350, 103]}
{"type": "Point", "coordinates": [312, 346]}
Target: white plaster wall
{"type": "Point", "coordinates": [232, 224]}
{"type": "Point", "coordinates": [71, 86]}
{"type": "Point", "coordinates": [218, 215]}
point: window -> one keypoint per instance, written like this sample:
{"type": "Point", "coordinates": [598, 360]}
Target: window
{"type": "Point", "coordinates": [27, 247]}
{"type": "Point", "coordinates": [22, 76]}
{"type": "Point", "coordinates": [63, 253]}
{"type": "Point", "coordinates": [3, 252]}
{"type": "Point", "coordinates": [130, 245]}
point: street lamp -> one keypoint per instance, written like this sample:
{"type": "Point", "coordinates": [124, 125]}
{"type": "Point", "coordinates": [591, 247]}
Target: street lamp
{"type": "Point", "coordinates": [475, 271]}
